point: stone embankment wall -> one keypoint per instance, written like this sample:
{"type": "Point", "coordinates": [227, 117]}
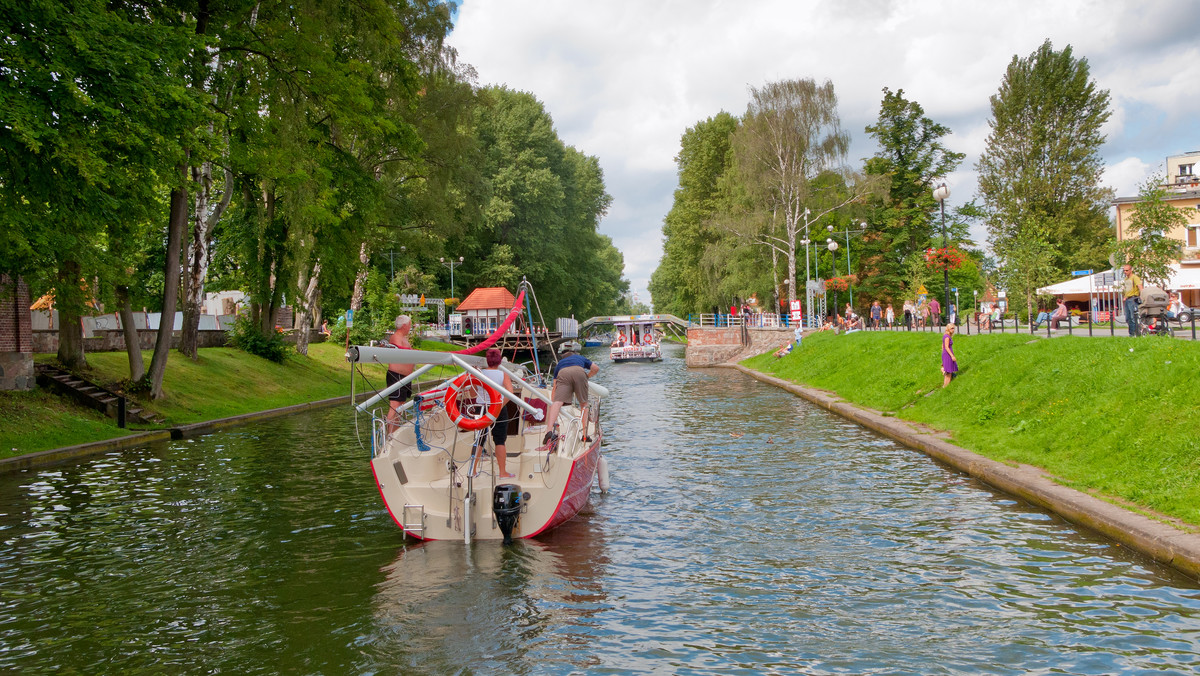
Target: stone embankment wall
{"type": "Point", "coordinates": [709, 346]}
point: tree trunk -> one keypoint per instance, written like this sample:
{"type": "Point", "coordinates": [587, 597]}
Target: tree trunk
{"type": "Point", "coordinates": [176, 226]}
{"type": "Point", "coordinates": [305, 305]}
{"type": "Point", "coordinates": [70, 330]}
{"type": "Point", "coordinates": [199, 253]}
{"type": "Point", "coordinates": [360, 280]}
{"type": "Point", "coordinates": [129, 329]}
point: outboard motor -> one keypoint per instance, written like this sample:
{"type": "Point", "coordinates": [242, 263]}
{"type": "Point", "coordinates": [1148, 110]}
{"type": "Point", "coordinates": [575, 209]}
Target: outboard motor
{"type": "Point", "coordinates": [506, 505]}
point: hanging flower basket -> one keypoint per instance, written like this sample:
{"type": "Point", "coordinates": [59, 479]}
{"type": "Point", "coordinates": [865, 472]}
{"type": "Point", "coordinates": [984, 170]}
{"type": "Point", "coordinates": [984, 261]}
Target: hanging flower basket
{"type": "Point", "coordinates": [837, 284]}
{"type": "Point", "coordinates": [946, 258]}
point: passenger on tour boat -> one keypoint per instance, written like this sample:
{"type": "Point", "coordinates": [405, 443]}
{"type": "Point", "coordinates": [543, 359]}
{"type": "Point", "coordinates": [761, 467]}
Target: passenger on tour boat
{"type": "Point", "coordinates": [621, 340]}
{"type": "Point", "coordinates": [500, 427]}
{"type": "Point", "coordinates": [571, 379]}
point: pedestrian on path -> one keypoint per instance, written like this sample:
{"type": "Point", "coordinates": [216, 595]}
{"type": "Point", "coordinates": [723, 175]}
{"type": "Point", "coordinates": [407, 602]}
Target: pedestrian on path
{"type": "Point", "coordinates": [949, 361]}
{"type": "Point", "coordinates": [1131, 287]}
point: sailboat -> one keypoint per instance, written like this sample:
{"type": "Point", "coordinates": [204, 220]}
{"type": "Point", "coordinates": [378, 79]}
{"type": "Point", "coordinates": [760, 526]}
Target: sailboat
{"type": "Point", "coordinates": [436, 467]}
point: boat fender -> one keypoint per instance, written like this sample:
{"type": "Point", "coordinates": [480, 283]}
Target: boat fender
{"type": "Point", "coordinates": [602, 474]}
{"type": "Point", "coordinates": [470, 382]}
{"type": "Point", "coordinates": [597, 389]}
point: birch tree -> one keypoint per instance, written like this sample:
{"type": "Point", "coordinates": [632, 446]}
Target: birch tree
{"type": "Point", "coordinates": [790, 134]}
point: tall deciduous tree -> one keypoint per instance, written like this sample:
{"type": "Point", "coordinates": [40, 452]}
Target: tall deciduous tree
{"type": "Point", "coordinates": [677, 285]}
{"type": "Point", "coordinates": [93, 108]}
{"type": "Point", "coordinates": [1042, 162]}
{"type": "Point", "coordinates": [790, 135]}
{"type": "Point", "coordinates": [911, 154]}
{"type": "Point", "coordinates": [546, 202]}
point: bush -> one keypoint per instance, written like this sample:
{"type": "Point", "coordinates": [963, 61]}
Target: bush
{"type": "Point", "coordinates": [246, 337]}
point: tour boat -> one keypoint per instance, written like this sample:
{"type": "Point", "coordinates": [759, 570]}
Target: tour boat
{"type": "Point", "coordinates": [634, 347]}
{"type": "Point", "coordinates": [436, 468]}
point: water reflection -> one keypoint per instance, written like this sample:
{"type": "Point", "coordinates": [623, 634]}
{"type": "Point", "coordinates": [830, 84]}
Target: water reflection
{"type": "Point", "coordinates": [506, 609]}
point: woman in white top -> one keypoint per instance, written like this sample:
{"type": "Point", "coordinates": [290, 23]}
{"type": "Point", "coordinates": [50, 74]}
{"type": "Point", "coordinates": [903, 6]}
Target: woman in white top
{"type": "Point", "coordinates": [500, 427]}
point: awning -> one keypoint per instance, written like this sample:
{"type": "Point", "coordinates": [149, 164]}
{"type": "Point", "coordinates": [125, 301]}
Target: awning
{"type": "Point", "coordinates": [1185, 277]}
{"type": "Point", "coordinates": [1079, 285]}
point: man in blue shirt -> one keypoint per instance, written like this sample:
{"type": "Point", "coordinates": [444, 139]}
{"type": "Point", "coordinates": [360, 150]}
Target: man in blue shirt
{"type": "Point", "coordinates": [570, 380]}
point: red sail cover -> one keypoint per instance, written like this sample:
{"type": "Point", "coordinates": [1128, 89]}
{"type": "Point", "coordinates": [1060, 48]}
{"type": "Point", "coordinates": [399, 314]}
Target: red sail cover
{"type": "Point", "coordinates": [500, 330]}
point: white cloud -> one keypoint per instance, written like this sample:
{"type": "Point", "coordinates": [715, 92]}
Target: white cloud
{"type": "Point", "coordinates": [624, 79]}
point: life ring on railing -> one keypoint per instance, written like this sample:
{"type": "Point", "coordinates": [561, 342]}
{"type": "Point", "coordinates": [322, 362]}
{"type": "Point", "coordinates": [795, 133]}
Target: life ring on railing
{"type": "Point", "coordinates": [465, 423]}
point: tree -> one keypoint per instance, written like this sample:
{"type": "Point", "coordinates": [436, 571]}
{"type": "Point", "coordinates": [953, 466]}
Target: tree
{"type": "Point", "coordinates": [677, 285]}
{"type": "Point", "coordinates": [93, 106]}
{"type": "Point", "coordinates": [1042, 161]}
{"type": "Point", "coordinates": [546, 202]}
{"type": "Point", "coordinates": [911, 154]}
{"type": "Point", "coordinates": [1147, 248]}
{"type": "Point", "coordinates": [789, 136]}
{"type": "Point", "coordinates": [1028, 259]}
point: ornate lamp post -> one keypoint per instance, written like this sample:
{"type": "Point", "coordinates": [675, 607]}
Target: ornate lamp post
{"type": "Point", "coordinates": [833, 247]}
{"type": "Point", "coordinates": [451, 265]}
{"type": "Point", "coordinates": [940, 192]}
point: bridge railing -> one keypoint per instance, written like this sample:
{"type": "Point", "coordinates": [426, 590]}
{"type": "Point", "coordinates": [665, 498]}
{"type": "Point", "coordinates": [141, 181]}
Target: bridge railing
{"type": "Point", "coordinates": [757, 320]}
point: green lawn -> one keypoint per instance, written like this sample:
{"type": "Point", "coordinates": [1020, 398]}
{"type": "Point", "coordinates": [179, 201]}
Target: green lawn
{"type": "Point", "coordinates": [1113, 415]}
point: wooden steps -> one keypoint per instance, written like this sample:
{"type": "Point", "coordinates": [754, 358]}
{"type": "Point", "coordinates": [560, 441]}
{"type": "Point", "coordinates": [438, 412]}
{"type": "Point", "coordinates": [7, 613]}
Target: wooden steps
{"type": "Point", "coordinates": [92, 395]}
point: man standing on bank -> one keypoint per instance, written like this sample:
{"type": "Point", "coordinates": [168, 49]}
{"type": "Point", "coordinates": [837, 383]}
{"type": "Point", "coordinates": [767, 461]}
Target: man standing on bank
{"type": "Point", "coordinates": [1132, 292]}
{"type": "Point", "coordinates": [571, 379]}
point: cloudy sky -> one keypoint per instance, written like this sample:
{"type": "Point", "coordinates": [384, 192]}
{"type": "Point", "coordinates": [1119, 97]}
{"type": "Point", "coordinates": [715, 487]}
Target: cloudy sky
{"type": "Point", "coordinates": [623, 79]}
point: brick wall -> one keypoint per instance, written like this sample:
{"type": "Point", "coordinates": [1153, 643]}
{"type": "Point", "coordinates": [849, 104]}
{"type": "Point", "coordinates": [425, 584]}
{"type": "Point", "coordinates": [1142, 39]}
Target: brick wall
{"type": "Point", "coordinates": [16, 335]}
{"type": "Point", "coordinates": [16, 323]}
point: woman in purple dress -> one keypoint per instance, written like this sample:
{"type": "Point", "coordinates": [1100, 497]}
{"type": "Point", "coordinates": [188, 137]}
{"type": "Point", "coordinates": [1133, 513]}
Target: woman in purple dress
{"type": "Point", "coordinates": [949, 361]}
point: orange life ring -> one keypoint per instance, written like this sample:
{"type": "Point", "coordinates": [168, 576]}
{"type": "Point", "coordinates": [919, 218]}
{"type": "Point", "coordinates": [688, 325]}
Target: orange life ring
{"type": "Point", "coordinates": [465, 423]}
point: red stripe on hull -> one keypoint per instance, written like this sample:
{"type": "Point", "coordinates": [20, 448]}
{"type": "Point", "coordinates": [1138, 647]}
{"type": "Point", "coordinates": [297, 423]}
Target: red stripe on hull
{"type": "Point", "coordinates": [578, 490]}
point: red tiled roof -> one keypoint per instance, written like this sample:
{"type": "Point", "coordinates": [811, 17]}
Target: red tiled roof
{"type": "Point", "coordinates": [490, 298]}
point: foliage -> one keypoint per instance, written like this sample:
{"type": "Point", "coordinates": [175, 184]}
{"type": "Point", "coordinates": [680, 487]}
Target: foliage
{"type": "Point", "coordinates": [790, 152]}
{"type": "Point", "coordinates": [911, 155]}
{"type": "Point", "coordinates": [247, 337]}
{"type": "Point", "coordinates": [1147, 248]}
{"type": "Point", "coordinates": [546, 202]}
{"type": "Point", "coordinates": [677, 285]}
{"type": "Point", "coordinates": [1042, 163]}
{"type": "Point", "coordinates": [1028, 263]}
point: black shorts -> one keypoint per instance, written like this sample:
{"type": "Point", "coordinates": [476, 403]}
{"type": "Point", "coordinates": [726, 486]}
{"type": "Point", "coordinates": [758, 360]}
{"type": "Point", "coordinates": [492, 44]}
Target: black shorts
{"type": "Point", "coordinates": [404, 393]}
{"type": "Point", "coordinates": [500, 428]}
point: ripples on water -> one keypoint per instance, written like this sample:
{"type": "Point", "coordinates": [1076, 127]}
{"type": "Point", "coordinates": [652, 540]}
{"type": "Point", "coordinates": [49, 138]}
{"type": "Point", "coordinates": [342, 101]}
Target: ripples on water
{"type": "Point", "coordinates": [746, 531]}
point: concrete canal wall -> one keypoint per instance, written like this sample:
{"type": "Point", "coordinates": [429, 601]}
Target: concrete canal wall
{"type": "Point", "coordinates": [713, 346]}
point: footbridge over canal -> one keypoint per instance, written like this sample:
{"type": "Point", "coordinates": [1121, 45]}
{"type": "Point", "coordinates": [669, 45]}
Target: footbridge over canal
{"type": "Point", "coordinates": [713, 339]}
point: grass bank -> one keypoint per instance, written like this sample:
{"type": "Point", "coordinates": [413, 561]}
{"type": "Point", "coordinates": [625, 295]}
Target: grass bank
{"type": "Point", "coordinates": [223, 382]}
{"type": "Point", "coordinates": [1113, 416]}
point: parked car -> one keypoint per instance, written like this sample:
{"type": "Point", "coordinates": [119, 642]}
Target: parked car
{"type": "Point", "coordinates": [1183, 314]}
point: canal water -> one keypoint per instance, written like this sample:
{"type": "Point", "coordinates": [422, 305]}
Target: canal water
{"type": "Point", "coordinates": [746, 532]}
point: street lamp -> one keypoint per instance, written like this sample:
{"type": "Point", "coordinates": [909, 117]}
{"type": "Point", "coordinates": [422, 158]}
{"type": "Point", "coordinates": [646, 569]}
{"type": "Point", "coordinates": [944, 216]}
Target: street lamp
{"type": "Point", "coordinates": [392, 261]}
{"type": "Point", "coordinates": [833, 247]}
{"type": "Point", "coordinates": [451, 265]}
{"type": "Point", "coordinates": [940, 192]}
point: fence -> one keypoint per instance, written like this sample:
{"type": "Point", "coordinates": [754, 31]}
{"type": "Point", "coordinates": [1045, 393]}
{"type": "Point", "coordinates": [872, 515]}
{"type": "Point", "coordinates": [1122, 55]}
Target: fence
{"type": "Point", "coordinates": [754, 320]}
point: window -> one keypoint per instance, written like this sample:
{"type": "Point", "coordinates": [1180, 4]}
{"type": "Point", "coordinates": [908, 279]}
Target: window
{"type": "Point", "coordinates": [1186, 169]}
{"type": "Point", "coordinates": [1191, 235]}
